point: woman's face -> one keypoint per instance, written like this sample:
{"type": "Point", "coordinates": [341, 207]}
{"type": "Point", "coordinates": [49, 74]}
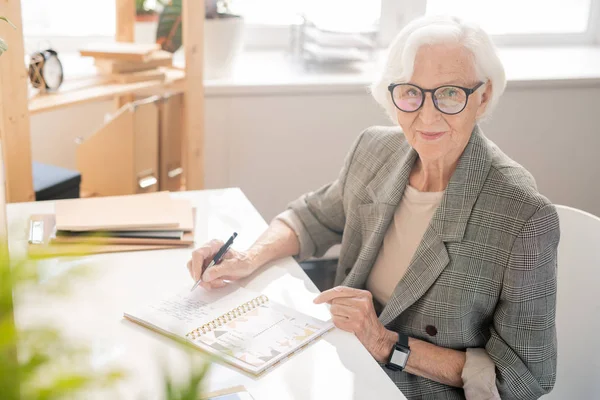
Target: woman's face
{"type": "Point", "coordinates": [434, 135]}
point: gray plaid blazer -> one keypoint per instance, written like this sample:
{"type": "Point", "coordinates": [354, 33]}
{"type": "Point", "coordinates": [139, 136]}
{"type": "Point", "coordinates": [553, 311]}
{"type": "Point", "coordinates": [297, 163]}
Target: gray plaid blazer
{"type": "Point", "coordinates": [484, 274]}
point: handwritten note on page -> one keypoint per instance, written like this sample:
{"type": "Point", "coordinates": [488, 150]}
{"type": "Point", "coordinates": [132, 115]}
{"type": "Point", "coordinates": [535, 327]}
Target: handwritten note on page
{"type": "Point", "coordinates": [184, 311]}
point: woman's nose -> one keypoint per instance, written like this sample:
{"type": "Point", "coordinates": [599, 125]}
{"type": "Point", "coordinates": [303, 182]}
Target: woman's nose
{"type": "Point", "coordinates": [428, 113]}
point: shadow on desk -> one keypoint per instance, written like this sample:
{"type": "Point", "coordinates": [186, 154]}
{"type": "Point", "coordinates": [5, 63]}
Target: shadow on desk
{"type": "Point", "coordinates": [321, 272]}
{"type": "Point", "coordinates": [363, 383]}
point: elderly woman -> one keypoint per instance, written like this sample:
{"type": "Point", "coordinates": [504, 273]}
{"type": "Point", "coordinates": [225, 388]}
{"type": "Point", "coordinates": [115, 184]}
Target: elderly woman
{"type": "Point", "coordinates": [447, 269]}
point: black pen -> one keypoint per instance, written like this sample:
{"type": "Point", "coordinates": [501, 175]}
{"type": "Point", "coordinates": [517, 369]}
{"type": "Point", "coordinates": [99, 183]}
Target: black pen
{"type": "Point", "coordinates": [217, 258]}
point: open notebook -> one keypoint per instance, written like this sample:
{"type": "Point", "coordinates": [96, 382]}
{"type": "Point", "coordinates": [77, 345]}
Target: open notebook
{"type": "Point", "coordinates": [246, 328]}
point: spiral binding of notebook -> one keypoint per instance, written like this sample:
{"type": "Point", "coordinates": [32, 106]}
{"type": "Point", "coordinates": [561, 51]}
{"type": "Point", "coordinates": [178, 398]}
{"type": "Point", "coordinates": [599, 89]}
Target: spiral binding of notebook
{"type": "Point", "coordinates": [228, 316]}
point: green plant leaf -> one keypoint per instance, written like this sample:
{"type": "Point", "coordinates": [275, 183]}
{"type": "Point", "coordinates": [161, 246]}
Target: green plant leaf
{"type": "Point", "coordinates": [63, 385]}
{"type": "Point", "coordinates": [28, 370]}
{"type": "Point", "coordinates": [39, 362]}
{"type": "Point", "coordinates": [168, 33]}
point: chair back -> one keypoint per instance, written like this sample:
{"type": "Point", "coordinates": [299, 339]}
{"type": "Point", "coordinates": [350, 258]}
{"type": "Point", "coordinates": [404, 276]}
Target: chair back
{"type": "Point", "coordinates": [578, 306]}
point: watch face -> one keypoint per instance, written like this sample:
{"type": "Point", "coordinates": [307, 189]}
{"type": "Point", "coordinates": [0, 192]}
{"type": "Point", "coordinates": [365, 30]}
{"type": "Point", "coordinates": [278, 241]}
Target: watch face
{"type": "Point", "coordinates": [52, 72]}
{"type": "Point", "coordinates": [399, 358]}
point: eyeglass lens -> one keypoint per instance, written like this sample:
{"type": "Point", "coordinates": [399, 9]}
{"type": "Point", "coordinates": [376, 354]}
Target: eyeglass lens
{"type": "Point", "coordinates": [448, 99]}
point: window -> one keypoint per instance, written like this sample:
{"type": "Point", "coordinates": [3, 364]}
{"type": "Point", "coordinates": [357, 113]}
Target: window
{"type": "Point", "coordinates": [281, 12]}
{"type": "Point", "coordinates": [68, 17]}
{"type": "Point", "coordinates": [268, 21]}
{"type": "Point", "coordinates": [527, 22]}
{"type": "Point", "coordinates": [518, 16]}
{"type": "Point", "coordinates": [510, 22]}
{"type": "Point", "coordinates": [66, 25]}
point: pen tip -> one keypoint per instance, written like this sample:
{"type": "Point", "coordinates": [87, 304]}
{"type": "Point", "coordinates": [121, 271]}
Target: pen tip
{"type": "Point", "coordinates": [234, 234]}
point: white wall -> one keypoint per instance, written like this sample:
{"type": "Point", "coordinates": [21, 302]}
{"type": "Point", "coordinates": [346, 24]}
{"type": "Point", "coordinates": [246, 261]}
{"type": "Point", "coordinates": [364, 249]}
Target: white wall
{"type": "Point", "coordinates": [555, 134]}
{"type": "Point", "coordinates": [53, 134]}
{"type": "Point", "coordinates": [278, 146]}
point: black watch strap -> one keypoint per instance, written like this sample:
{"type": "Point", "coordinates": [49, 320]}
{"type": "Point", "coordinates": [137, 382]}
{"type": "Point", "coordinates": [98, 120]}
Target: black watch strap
{"type": "Point", "coordinates": [399, 354]}
{"type": "Point", "coordinates": [403, 340]}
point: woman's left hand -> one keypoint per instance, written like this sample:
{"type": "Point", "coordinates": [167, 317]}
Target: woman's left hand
{"type": "Point", "coordinates": [353, 311]}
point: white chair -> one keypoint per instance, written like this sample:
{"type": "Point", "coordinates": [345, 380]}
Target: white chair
{"type": "Point", "coordinates": [578, 308]}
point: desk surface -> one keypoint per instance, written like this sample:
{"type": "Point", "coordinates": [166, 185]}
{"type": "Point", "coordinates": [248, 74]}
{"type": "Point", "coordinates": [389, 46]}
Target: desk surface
{"type": "Point", "coordinates": [335, 367]}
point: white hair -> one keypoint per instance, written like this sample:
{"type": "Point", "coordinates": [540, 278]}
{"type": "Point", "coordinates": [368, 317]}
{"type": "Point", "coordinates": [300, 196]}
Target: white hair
{"type": "Point", "coordinates": [438, 30]}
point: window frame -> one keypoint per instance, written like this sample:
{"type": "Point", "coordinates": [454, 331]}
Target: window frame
{"type": "Point", "coordinates": [395, 14]}
{"type": "Point", "coordinates": [590, 37]}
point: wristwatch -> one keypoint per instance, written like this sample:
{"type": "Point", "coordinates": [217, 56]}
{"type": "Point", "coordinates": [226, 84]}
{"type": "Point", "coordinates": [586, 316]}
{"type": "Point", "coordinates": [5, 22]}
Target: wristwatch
{"type": "Point", "coordinates": [399, 355]}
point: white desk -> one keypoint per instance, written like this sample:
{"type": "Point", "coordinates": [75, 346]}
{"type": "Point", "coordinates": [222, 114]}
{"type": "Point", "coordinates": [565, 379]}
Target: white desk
{"type": "Point", "coordinates": [335, 367]}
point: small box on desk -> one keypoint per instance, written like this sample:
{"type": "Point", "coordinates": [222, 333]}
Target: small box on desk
{"type": "Point", "coordinates": [54, 183]}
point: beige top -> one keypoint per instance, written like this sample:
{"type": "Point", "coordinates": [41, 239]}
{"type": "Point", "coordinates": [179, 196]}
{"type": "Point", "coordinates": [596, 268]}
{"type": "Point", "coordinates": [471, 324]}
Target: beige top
{"type": "Point", "coordinates": [401, 240]}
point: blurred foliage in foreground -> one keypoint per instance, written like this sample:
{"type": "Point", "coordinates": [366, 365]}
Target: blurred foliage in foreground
{"type": "Point", "coordinates": [38, 362]}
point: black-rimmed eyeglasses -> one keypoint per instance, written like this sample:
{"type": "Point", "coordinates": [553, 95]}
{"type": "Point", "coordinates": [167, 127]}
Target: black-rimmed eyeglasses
{"type": "Point", "coordinates": [447, 99]}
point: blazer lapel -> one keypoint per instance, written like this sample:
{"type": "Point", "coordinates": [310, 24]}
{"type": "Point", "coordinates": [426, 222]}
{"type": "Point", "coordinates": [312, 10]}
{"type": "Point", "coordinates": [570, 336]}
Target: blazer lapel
{"type": "Point", "coordinates": [447, 225]}
{"type": "Point", "coordinates": [385, 191]}
{"type": "Point", "coordinates": [430, 259]}
{"type": "Point", "coordinates": [375, 219]}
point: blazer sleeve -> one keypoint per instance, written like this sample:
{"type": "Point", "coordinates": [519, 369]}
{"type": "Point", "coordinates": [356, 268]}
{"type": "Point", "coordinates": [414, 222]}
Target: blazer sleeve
{"type": "Point", "coordinates": [319, 217]}
{"type": "Point", "coordinates": [523, 334]}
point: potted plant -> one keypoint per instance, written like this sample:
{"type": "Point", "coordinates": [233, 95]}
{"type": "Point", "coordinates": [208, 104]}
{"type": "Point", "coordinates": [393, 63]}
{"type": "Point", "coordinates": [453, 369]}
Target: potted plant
{"type": "Point", "coordinates": [223, 35]}
{"type": "Point", "coordinates": [223, 38]}
{"type": "Point", "coordinates": [146, 19]}
{"type": "Point", "coordinates": [147, 11]}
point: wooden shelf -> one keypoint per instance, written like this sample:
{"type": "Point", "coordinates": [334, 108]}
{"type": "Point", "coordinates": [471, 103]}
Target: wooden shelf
{"type": "Point", "coordinates": [99, 88]}
{"type": "Point", "coordinates": [17, 104]}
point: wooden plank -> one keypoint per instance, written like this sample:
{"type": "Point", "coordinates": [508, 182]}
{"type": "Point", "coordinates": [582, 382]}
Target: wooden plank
{"type": "Point", "coordinates": [114, 141]}
{"type": "Point", "coordinates": [125, 33]}
{"type": "Point", "coordinates": [122, 51]}
{"type": "Point", "coordinates": [120, 101]}
{"type": "Point", "coordinates": [14, 113]}
{"type": "Point", "coordinates": [171, 131]}
{"type": "Point", "coordinates": [145, 124]}
{"type": "Point", "coordinates": [157, 59]}
{"type": "Point", "coordinates": [193, 41]}
{"type": "Point", "coordinates": [141, 76]}
{"type": "Point", "coordinates": [86, 94]}
{"type": "Point", "coordinates": [125, 20]}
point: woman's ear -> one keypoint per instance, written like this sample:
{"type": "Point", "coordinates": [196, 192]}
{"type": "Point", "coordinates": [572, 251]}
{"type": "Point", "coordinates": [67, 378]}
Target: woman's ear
{"type": "Point", "coordinates": [485, 99]}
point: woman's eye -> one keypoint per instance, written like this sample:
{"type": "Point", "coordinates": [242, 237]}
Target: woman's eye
{"type": "Point", "coordinates": [412, 92]}
{"type": "Point", "coordinates": [449, 92]}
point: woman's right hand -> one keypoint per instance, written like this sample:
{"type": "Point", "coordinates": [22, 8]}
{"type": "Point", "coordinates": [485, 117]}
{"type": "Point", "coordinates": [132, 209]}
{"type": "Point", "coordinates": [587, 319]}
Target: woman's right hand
{"type": "Point", "coordinates": [234, 265]}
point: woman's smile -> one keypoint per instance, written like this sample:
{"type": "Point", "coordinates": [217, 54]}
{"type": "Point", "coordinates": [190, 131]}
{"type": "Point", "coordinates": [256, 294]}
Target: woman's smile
{"type": "Point", "coordinates": [431, 135]}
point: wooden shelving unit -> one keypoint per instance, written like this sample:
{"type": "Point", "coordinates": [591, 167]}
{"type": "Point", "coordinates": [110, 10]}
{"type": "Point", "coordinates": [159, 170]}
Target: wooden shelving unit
{"type": "Point", "coordinates": [14, 113]}
{"type": "Point", "coordinates": [16, 106]}
{"type": "Point", "coordinates": [86, 91]}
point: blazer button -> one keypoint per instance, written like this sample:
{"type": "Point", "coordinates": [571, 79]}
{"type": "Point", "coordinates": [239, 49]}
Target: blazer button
{"type": "Point", "coordinates": [348, 271]}
{"type": "Point", "coordinates": [431, 330]}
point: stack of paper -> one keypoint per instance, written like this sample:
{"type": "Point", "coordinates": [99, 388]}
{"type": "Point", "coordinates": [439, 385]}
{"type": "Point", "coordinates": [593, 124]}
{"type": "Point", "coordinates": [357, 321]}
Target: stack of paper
{"type": "Point", "coordinates": [115, 223]}
{"type": "Point", "coordinates": [129, 62]}
{"type": "Point", "coordinates": [325, 42]}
